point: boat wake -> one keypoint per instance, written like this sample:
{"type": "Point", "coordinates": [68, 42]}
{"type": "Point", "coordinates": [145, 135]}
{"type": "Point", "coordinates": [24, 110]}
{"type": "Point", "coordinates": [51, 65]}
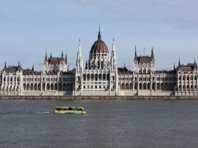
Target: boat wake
{"type": "Point", "coordinates": [42, 112]}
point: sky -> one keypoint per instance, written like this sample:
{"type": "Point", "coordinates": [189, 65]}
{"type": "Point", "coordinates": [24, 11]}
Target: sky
{"type": "Point", "coordinates": [29, 28]}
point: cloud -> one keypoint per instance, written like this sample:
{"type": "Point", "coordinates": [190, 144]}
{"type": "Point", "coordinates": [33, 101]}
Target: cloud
{"type": "Point", "coordinates": [180, 13]}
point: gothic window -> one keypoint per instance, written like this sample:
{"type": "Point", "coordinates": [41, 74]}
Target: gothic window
{"type": "Point", "coordinates": [35, 87]}
{"type": "Point", "coordinates": [148, 85]}
{"type": "Point", "coordinates": [153, 86]}
{"type": "Point", "coordinates": [144, 86]}
{"type": "Point", "coordinates": [43, 87]}
{"type": "Point", "coordinates": [158, 86]}
{"type": "Point", "coordinates": [140, 85]}
{"type": "Point", "coordinates": [24, 86]}
{"type": "Point", "coordinates": [96, 77]}
{"type": "Point", "coordinates": [100, 76]}
{"type": "Point", "coordinates": [52, 87]}
{"type": "Point", "coordinates": [103, 76]}
{"type": "Point", "coordinates": [135, 85]}
{"type": "Point", "coordinates": [108, 77]}
{"type": "Point", "coordinates": [48, 86]}
{"type": "Point", "coordinates": [39, 87]}
{"type": "Point", "coordinates": [88, 77]}
{"type": "Point", "coordinates": [84, 77]}
{"type": "Point", "coordinates": [64, 87]}
{"type": "Point", "coordinates": [131, 85]}
{"type": "Point", "coordinates": [31, 87]}
{"type": "Point", "coordinates": [127, 86]}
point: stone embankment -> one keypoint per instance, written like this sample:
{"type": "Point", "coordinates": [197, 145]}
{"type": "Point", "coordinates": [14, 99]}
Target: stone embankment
{"type": "Point", "coordinates": [98, 97]}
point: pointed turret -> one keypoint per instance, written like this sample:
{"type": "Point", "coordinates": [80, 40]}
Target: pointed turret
{"type": "Point", "coordinates": [179, 62]}
{"type": "Point", "coordinates": [79, 62]}
{"type": "Point", "coordinates": [174, 66]}
{"type": "Point", "coordinates": [195, 63]}
{"type": "Point", "coordinates": [99, 35]}
{"type": "Point", "coordinates": [113, 57]}
{"type": "Point", "coordinates": [62, 55]}
{"type": "Point", "coordinates": [19, 64]}
{"type": "Point", "coordinates": [46, 56]}
{"type": "Point", "coordinates": [5, 65]}
{"type": "Point", "coordinates": [152, 54]}
{"type": "Point", "coordinates": [135, 57]}
{"type": "Point", "coordinates": [33, 67]}
{"type": "Point", "coordinates": [50, 55]}
{"type": "Point", "coordinates": [66, 58]}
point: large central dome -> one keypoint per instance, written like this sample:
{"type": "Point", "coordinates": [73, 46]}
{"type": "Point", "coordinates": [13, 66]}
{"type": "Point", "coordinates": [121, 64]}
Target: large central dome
{"type": "Point", "coordinates": [99, 55]}
{"type": "Point", "coordinates": [99, 46]}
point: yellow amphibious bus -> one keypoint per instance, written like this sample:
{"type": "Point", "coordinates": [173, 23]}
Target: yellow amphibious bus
{"type": "Point", "coordinates": [69, 110]}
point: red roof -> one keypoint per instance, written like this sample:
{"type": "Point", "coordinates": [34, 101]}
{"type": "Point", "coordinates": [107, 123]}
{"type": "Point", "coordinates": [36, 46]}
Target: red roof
{"type": "Point", "coordinates": [123, 70]}
{"type": "Point", "coordinates": [12, 69]}
{"type": "Point", "coordinates": [187, 68]}
{"type": "Point", "coordinates": [99, 46]}
{"type": "Point", "coordinates": [31, 72]}
{"type": "Point", "coordinates": [55, 61]}
{"type": "Point", "coordinates": [144, 59]}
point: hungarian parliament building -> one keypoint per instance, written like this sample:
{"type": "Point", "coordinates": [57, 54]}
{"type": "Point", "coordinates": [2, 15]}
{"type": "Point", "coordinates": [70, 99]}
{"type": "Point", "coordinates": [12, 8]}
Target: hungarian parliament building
{"type": "Point", "coordinates": [99, 77]}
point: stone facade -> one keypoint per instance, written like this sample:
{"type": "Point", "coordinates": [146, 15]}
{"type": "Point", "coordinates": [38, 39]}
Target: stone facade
{"type": "Point", "coordinates": [99, 77]}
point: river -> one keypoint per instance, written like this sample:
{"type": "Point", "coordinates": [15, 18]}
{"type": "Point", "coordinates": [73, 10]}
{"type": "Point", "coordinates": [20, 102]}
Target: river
{"type": "Point", "coordinates": [116, 124]}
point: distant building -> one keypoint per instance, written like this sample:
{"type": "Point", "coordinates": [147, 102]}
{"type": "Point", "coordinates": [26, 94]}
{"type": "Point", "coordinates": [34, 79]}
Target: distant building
{"type": "Point", "coordinates": [99, 77]}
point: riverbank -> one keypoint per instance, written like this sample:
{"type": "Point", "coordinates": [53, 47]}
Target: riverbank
{"type": "Point", "coordinates": [98, 97]}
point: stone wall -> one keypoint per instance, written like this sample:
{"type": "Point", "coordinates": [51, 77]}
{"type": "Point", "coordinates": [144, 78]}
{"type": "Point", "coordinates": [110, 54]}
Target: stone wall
{"type": "Point", "coordinates": [69, 98]}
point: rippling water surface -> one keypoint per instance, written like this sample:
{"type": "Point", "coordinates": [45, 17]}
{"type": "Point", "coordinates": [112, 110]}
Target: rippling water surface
{"type": "Point", "coordinates": [154, 124]}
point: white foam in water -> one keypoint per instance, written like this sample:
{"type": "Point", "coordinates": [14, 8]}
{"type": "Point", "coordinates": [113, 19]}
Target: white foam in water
{"type": "Point", "coordinates": [42, 112]}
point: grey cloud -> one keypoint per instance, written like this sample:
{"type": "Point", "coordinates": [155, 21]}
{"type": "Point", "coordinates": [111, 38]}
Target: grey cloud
{"type": "Point", "coordinates": [176, 12]}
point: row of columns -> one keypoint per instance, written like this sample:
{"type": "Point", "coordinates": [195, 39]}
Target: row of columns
{"type": "Point", "coordinates": [146, 86]}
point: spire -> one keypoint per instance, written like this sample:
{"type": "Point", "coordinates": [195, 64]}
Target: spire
{"type": "Point", "coordinates": [79, 62]}
{"type": "Point", "coordinates": [135, 52]}
{"type": "Point", "coordinates": [62, 54]}
{"type": "Point", "coordinates": [135, 57]}
{"type": "Point", "coordinates": [50, 55]}
{"type": "Point", "coordinates": [46, 55]}
{"type": "Point", "coordinates": [113, 45]}
{"type": "Point", "coordinates": [195, 63]}
{"type": "Point", "coordinates": [113, 57]}
{"type": "Point", "coordinates": [99, 35]}
{"type": "Point", "coordinates": [79, 48]}
{"type": "Point", "coordinates": [5, 65]}
{"type": "Point", "coordinates": [174, 66]}
{"type": "Point", "coordinates": [152, 54]}
{"type": "Point", "coordinates": [179, 62]}
{"type": "Point", "coordinates": [33, 67]}
{"type": "Point", "coordinates": [19, 64]}
{"type": "Point", "coordinates": [66, 58]}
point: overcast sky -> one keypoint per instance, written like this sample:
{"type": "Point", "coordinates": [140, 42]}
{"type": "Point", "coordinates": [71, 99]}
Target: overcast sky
{"type": "Point", "coordinates": [30, 27]}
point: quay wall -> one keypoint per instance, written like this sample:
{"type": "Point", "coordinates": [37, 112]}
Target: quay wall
{"type": "Point", "coordinates": [98, 98]}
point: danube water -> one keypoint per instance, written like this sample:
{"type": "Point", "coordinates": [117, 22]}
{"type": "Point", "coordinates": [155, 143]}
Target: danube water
{"type": "Point", "coordinates": [124, 124]}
